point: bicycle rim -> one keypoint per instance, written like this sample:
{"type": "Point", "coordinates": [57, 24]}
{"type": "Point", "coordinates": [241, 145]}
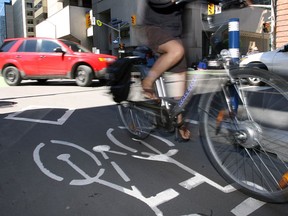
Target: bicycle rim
{"type": "Point", "coordinates": [251, 151]}
{"type": "Point", "coordinates": [138, 121]}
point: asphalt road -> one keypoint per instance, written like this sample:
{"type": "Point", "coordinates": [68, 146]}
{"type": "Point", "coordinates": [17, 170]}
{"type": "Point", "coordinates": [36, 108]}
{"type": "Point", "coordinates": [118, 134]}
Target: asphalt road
{"type": "Point", "coordinates": [64, 152]}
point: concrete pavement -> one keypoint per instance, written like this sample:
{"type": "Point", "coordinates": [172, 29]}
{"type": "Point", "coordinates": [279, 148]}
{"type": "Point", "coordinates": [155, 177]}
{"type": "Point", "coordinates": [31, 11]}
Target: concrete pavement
{"type": "Point", "coordinates": [2, 82]}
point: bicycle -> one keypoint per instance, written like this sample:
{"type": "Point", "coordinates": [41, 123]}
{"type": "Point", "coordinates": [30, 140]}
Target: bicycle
{"type": "Point", "coordinates": [243, 129]}
{"type": "Point", "coordinates": [242, 146]}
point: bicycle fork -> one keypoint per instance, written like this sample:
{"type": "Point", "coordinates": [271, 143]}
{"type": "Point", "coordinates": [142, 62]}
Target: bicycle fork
{"type": "Point", "coordinates": [231, 99]}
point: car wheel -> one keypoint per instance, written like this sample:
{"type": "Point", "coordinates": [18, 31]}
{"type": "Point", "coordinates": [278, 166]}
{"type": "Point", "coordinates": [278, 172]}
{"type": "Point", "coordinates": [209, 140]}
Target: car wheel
{"type": "Point", "coordinates": [84, 76]}
{"type": "Point", "coordinates": [253, 80]}
{"type": "Point", "coordinates": [12, 76]}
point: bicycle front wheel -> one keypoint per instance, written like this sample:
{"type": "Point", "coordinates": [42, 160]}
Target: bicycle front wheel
{"type": "Point", "coordinates": [247, 142]}
{"type": "Point", "coordinates": [138, 121]}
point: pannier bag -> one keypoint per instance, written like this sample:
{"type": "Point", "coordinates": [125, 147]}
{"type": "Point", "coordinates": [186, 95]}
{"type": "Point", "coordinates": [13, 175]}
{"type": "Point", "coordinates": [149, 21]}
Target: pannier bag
{"type": "Point", "coordinates": [119, 79]}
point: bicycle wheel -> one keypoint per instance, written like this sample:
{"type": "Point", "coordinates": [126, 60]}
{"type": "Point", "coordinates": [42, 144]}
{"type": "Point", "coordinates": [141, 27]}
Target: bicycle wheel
{"type": "Point", "coordinates": [249, 146]}
{"type": "Point", "coordinates": [138, 121]}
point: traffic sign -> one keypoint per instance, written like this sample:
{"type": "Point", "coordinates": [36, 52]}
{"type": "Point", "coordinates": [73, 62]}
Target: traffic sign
{"type": "Point", "coordinates": [99, 23]}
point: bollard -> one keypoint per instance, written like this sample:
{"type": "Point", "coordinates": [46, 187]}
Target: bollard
{"type": "Point", "coordinates": [234, 39]}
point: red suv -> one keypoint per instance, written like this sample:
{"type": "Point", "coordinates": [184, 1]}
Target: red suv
{"type": "Point", "coordinates": [46, 58]}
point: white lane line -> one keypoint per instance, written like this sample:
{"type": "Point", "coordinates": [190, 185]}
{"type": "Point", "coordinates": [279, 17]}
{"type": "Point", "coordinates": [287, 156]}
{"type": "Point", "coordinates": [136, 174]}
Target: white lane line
{"type": "Point", "coordinates": [247, 207]}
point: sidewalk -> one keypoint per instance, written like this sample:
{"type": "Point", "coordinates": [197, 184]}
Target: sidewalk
{"type": "Point", "coordinates": [2, 82]}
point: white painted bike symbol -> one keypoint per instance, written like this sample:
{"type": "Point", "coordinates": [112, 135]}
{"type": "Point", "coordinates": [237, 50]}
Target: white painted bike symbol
{"type": "Point", "coordinates": [154, 201]}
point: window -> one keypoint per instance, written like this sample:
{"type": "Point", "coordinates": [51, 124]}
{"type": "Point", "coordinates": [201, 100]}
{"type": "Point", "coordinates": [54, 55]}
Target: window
{"type": "Point", "coordinates": [29, 13]}
{"type": "Point", "coordinates": [75, 47]}
{"type": "Point", "coordinates": [30, 29]}
{"type": "Point", "coordinates": [30, 21]}
{"type": "Point", "coordinates": [7, 45]}
{"type": "Point", "coordinates": [48, 46]}
{"type": "Point", "coordinates": [28, 46]}
{"type": "Point", "coordinates": [29, 5]}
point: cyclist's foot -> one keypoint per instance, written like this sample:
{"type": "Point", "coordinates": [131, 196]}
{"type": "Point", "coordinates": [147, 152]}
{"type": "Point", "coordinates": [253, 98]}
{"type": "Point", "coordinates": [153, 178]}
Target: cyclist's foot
{"type": "Point", "coordinates": [183, 134]}
{"type": "Point", "coordinates": [148, 90]}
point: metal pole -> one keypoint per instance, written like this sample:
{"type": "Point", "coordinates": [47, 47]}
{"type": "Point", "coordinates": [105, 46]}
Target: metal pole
{"type": "Point", "coordinates": [119, 40]}
{"type": "Point", "coordinates": [272, 26]}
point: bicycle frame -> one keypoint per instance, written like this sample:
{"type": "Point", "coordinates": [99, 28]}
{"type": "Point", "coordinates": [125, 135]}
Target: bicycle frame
{"type": "Point", "coordinates": [189, 92]}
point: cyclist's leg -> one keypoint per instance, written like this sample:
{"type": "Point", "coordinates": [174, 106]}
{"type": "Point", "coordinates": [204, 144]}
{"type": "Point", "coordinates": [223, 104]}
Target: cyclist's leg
{"type": "Point", "coordinates": [176, 89]}
{"type": "Point", "coordinates": [171, 52]}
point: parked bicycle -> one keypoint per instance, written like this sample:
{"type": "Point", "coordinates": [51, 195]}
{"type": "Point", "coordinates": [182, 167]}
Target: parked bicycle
{"type": "Point", "coordinates": [244, 129]}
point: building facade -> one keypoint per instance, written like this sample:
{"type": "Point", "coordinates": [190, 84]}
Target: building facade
{"type": "Point", "coordinates": [105, 24]}
{"type": "Point", "coordinates": [281, 23]}
{"type": "Point", "coordinates": [2, 29]}
{"type": "Point", "coordinates": [9, 20]}
{"type": "Point", "coordinates": [23, 16]}
{"type": "Point", "coordinates": [200, 34]}
{"type": "Point", "coordinates": [41, 12]}
{"type": "Point", "coordinates": [66, 20]}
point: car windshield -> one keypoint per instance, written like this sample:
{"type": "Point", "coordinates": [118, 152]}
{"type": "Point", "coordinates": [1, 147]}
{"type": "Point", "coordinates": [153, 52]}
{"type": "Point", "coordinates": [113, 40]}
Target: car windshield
{"type": "Point", "coordinates": [75, 47]}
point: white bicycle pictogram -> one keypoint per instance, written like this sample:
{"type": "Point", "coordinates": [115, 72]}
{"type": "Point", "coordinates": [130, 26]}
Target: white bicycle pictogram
{"type": "Point", "coordinates": [152, 202]}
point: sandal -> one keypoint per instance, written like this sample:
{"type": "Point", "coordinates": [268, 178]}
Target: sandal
{"type": "Point", "coordinates": [183, 134]}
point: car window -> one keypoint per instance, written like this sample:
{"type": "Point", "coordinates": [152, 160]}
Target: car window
{"type": "Point", "coordinates": [7, 45]}
{"type": "Point", "coordinates": [48, 46]}
{"type": "Point", "coordinates": [75, 47]}
{"type": "Point", "coordinates": [28, 46]}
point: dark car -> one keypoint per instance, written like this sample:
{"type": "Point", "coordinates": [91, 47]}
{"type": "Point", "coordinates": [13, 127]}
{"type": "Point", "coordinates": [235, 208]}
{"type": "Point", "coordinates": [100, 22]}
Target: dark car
{"type": "Point", "coordinates": [45, 58]}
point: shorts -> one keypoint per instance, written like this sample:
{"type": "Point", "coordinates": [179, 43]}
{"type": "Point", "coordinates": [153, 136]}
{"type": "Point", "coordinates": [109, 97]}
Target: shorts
{"type": "Point", "coordinates": [157, 36]}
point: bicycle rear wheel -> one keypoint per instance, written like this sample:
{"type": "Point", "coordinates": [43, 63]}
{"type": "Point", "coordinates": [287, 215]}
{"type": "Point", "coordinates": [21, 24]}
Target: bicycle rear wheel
{"type": "Point", "coordinates": [249, 146]}
{"type": "Point", "coordinates": [138, 121]}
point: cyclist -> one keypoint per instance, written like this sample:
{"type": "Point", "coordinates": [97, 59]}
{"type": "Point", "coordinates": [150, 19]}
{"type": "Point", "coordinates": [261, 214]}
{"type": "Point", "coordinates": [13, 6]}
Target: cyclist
{"type": "Point", "coordinates": [163, 26]}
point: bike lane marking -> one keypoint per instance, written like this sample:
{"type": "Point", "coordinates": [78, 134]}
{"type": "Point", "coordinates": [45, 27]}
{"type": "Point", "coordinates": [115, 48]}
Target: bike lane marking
{"type": "Point", "coordinates": [116, 142]}
{"type": "Point", "coordinates": [36, 157]}
{"type": "Point", "coordinates": [59, 121]}
{"type": "Point", "coordinates": [190, 183]}
{"type": "Point", "coordinates": [247, 207]}
{"type": "Point", "coordinates": [154, 201]}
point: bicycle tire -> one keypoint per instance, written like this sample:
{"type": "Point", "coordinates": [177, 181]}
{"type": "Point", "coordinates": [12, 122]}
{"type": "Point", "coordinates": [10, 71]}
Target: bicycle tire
{"type": "Point", "coordinates": [257, 163]}
{"type": "Point", "coordinates": [138, 121]}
